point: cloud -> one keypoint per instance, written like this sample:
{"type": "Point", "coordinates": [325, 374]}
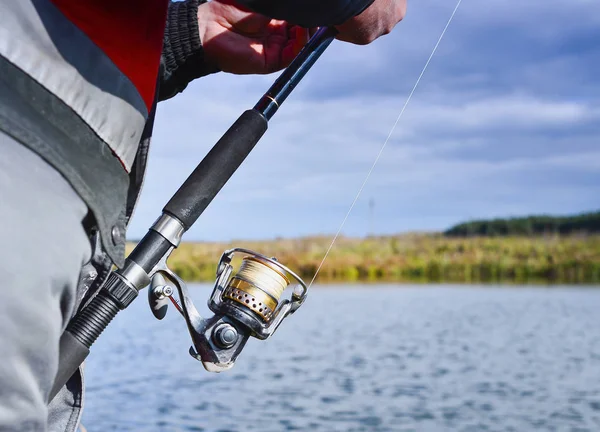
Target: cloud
{"type": "Point", "coordinates": [506, 121]}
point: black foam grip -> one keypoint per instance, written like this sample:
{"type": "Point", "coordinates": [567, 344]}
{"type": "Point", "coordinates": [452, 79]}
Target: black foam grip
{"type": "Point", "coordinates": [93, 319]}
{"type": "Point", "coordinates": [216, 168]}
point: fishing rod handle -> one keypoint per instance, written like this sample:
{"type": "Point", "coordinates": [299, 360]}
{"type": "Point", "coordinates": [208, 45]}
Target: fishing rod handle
{"type": "Point", "coordinates": [205, 182]}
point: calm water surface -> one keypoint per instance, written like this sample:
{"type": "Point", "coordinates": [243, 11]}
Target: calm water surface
{"type": "Point", "coordinates": [376, 358]}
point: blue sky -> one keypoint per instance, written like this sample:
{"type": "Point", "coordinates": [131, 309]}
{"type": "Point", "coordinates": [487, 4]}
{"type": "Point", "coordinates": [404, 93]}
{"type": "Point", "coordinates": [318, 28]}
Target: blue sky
{"type": "Point", "coordinates": [506, 122]}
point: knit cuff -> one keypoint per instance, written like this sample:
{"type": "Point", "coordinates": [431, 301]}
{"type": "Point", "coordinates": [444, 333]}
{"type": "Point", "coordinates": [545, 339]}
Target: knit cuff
{"type": "Point", "coordinates": [182, 50]}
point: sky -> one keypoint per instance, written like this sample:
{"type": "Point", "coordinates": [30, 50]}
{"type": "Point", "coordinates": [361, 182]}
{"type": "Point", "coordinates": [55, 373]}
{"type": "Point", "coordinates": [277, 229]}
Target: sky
{"type": "Point", "coordinates": [505, 122]}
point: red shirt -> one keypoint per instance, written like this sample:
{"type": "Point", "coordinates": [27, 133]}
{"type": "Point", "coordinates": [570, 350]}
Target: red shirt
{"type": "Point", "coordinates": [129, 32]}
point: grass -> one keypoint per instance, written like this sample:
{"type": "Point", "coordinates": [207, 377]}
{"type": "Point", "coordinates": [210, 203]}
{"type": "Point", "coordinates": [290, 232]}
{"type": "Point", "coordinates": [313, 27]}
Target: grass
{"type": "Point", "coordinates": [416, 258]}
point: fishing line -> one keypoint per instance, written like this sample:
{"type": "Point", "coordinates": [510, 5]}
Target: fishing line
{"type": "Point", "coordinates": [270, 280]}
{"type": "Point", "coordinates": [337, 234]}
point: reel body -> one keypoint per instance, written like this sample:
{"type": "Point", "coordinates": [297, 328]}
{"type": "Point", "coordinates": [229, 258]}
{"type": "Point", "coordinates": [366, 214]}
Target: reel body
{"type": "Point", "coordinates": [247, 302]}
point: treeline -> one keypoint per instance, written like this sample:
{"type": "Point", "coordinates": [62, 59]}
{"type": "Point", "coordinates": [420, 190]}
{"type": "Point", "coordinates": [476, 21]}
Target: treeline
{"type": "Point", "coordinates": [587, 223]}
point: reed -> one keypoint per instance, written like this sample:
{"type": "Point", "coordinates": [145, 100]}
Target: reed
{"type": "Point", "coordinates": [423, 258]}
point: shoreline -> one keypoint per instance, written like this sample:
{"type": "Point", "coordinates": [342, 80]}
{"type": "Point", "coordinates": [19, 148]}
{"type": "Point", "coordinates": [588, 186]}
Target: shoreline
{"type": "Point", "coordinates": [416, 259]}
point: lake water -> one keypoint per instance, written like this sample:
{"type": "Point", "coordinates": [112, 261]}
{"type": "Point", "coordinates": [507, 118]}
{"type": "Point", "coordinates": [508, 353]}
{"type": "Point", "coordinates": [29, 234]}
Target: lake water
{"type": "Point", "coordinates": [365, 358]}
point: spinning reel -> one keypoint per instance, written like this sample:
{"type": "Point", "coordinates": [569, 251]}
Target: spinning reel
{"type": "Point", "coordinates": [247, 302]}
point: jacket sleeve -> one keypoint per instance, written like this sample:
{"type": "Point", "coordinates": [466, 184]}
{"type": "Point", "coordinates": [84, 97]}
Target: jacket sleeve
{"type": "Point", "coordinates": [182, 59]}
{"type": "Point", "coordinates": [309, 13]}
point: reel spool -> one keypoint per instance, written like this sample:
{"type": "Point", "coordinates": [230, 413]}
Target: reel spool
{"type": "Point", "coordinates": [258, 286]}
{"type": "Point", "coordinates": [247, 302]}
{"type": "Point", "coordinates": [253, 294]}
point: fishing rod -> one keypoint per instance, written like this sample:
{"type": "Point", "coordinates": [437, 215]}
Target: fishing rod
{"type": "Point", "coordinates": [247, 302]}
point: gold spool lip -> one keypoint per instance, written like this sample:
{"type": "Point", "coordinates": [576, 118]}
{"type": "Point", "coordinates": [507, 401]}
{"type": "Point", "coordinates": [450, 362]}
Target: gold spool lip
{"type": "Point", "coordinates": [244, 285]}
{"type": "Point", "coordinates": [262, 306]}
{"type": "Point", "coordinates": [270, 265]}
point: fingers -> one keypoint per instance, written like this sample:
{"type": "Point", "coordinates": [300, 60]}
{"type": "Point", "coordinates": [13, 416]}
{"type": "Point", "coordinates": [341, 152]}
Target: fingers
{"type": "Point", "coordinates": [377, 20]}
{"type": "Point", "coordinates": [298, 37]}
{"type": "Point", "coordinates": [282, 46]}
{"type": "Point", "coordinates": [301, 37]}
{"type": "Point", "coordinates": [248, 43]}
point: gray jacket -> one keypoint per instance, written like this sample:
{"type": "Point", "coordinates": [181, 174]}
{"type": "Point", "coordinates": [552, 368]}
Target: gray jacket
{"type": "Point", "coordinates": [63, 98]}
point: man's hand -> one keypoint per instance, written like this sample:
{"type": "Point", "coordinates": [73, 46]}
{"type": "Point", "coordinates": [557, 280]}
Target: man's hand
{"type": "Point", "coordinates": [239, 41]}
{"type": "Point", "coordinates": [377, 20]}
